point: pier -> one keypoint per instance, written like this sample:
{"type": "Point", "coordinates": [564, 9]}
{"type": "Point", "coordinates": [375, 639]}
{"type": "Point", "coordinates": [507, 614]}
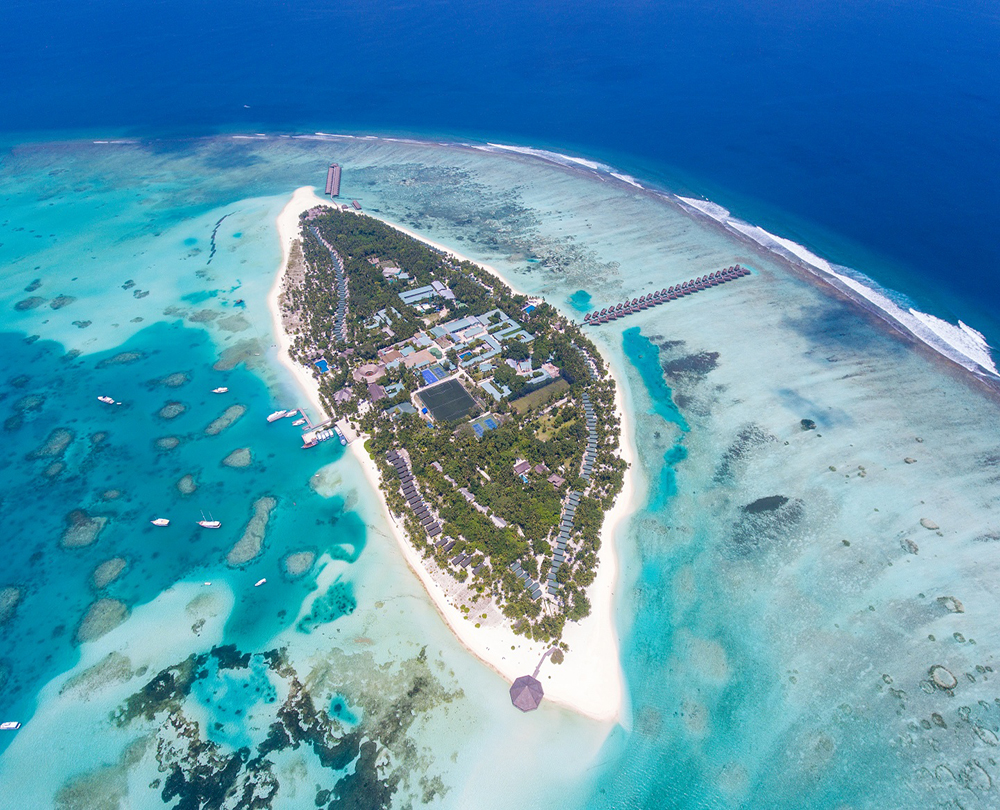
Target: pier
{"type": "Point", "coordinates": [333, 180]}
{"type": "Point", "coordinates": [665, 295]}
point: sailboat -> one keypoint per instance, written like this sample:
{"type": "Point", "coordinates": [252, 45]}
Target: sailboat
{"type": "Point", "coordinates": [160, 522]}
{"type": "Point", "coordinates": [209, 523]}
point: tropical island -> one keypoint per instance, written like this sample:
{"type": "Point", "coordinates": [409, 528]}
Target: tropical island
{"type": "Point", "coordinates": [491, 418]}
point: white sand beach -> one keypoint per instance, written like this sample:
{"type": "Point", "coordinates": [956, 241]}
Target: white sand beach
{"type": "Point", "coordinates": [590, 680]}
{"type": "Point", "coordinates": [288, 230]}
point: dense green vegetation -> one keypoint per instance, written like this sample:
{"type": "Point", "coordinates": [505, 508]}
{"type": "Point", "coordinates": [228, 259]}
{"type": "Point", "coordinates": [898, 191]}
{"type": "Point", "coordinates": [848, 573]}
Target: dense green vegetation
{"type": "Point", "coordinates": [492, 513]}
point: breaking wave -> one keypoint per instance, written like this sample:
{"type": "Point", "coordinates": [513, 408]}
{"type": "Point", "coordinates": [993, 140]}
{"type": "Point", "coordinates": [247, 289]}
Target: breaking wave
{"type": "Point", "coordinates": [958, 342]}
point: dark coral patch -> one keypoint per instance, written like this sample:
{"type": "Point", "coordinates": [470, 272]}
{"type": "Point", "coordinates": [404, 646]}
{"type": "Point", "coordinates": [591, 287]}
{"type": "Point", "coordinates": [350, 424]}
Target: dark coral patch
{"type": "Point", "coordinates": [768, 504]}
{"type": "Point", "coordinates": [698, 364]}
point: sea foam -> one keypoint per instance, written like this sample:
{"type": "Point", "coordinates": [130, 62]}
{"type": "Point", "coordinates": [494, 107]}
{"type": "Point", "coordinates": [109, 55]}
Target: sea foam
{"type": "Point", "coordinates": [958, 342]}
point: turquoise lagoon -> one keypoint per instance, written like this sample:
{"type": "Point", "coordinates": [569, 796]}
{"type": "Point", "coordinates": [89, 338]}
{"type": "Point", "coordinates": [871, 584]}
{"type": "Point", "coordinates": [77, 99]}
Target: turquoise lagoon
{"type": "Point", "coordinates": [789, 628]}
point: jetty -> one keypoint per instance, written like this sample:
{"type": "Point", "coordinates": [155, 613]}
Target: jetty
{"type": "Point", "coordinates": [627, 307]}
{"type": "Point", "coordinates": [333, 180]}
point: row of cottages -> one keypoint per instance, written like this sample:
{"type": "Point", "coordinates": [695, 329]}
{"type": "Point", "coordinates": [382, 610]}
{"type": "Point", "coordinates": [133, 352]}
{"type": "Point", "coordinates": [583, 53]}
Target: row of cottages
{"type": "Point", "coordinates": [560, 554]}
{"type": "Point", "coordinates": [340, 316]}
{"type": "Point", "coordinates": [666, 294]}
{"type": "Point", "coordinates": [590, 454]}
{"type": "Point", "coordinates": [413, 497]}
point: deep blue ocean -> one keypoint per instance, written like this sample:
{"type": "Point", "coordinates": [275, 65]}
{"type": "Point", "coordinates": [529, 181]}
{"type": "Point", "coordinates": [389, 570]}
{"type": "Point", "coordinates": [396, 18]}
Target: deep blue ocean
{"type": "Point", "coordinates": [869, 131]}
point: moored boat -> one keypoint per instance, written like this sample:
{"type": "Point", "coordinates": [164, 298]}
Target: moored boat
{"type": "Point", "coordinates": [274, 417]}
{"type": "Point", "coordinates": [209, 522]}
{"type": "Point", "coordinates": [160, 522]}
{"type": "Point", "coordinates": [298, 422]}
{"type": "Point", "coordinates": [10, 725]}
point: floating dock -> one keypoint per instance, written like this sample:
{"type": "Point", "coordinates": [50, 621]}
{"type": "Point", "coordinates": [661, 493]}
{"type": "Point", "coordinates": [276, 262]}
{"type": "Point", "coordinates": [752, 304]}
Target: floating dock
{"type": "Point", "coordinates": [615, 312]}
{"type": "Point", "coordinates": [333, 180]}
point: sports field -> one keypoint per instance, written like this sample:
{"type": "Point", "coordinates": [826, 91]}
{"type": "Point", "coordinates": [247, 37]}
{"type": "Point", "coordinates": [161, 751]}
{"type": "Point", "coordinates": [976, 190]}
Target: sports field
{"type": "Point", "coordinates": [540, 396]}
{"type": "Point", "coordinates": [447, 401]}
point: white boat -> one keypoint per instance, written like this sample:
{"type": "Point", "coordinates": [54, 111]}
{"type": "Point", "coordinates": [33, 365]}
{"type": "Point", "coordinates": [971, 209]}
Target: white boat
{"type": "Point", "coordinates": [220, 390]}
{"type": "Point", "coordinates": [160, 522]}
{"type": "Point", "coordinates": [298, 422]}
{"type": "Point", "coordinates": [10, 725]}
{"type": "Point", "coordinates": [340, 435]}
{"type": "Point", "coordinates": [106, 400]}
{"type": "Point", "coordinates": [274, 417]}
{"type": "Point", "coordinates": [259, 582]}
{"type": "Point", "coordinates": [291, 413]}
{"type": "Point", "coordinates": [209, 522]}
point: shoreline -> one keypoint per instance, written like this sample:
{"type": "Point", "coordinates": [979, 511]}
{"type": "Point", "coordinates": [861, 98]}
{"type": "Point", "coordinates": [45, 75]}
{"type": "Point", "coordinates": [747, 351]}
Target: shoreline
{"type": "Point", "coordinates": [288, 230]}
{"type": "Point", "coordinates": [590, 680]}
{"type": "Point", "coordinates": [787, 252]}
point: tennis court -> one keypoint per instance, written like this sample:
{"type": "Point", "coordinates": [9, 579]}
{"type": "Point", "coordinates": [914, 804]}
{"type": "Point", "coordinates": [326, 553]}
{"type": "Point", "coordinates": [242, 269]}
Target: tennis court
{"type": "Point", "coordinates": [448, 401]}
{"type": "Point", "coordinates": [482, 424]}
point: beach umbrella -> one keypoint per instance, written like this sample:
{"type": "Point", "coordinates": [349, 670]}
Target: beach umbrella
{"type": "Point", "coordinates": [526, 693]}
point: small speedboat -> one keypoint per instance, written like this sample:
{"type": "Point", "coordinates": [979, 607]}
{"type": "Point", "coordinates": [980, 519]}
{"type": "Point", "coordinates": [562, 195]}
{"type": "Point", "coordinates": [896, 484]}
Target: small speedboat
{"type": "Point", "coordinates": [259, 582]}
{"type": "Point", "coordinates": [274, 417]}
{"type": "Point", "coordinates": [220, 390]}
{"type": "Point", "coordinates": [160, 522]}
{"type": "Point", "coordinates": [10, 725]}
{"type": "Point", "coordinates": [298, 422]}
{"type": "Point", "coordinates": [106, 400]}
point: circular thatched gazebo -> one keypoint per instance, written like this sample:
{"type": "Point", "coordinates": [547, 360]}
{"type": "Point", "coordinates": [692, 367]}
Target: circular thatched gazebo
{"type": "Point", "coordinates": [526, 693]}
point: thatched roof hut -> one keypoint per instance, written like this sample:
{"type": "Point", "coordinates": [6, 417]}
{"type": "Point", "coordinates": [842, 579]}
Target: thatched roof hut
{"type": "Point", "coordinates": [526, 693]}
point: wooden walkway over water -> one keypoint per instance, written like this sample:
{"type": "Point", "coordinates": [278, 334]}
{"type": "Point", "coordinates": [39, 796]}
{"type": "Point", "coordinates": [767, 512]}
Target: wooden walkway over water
{"type": "Point", "coordinates": [616, 311]}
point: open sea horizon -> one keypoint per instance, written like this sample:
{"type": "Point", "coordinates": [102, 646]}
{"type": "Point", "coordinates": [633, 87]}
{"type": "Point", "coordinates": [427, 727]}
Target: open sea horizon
{"type": "Point", "coordinates": [793, 603]}
{"type": "Point", "coordinates": [867, 132]}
